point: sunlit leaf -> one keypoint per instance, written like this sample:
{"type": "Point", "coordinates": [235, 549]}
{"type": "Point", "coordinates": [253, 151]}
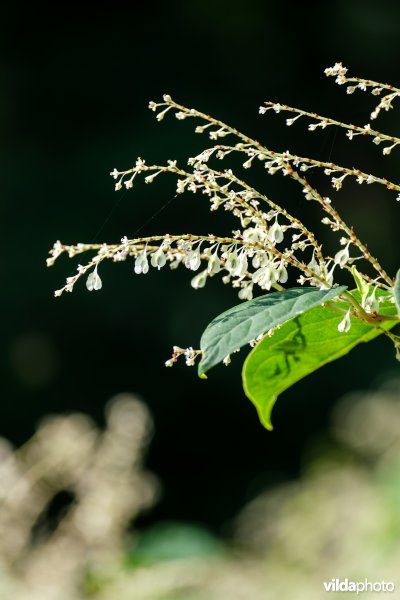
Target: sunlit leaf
{"type": "Point", "coordinates": [301, 346]}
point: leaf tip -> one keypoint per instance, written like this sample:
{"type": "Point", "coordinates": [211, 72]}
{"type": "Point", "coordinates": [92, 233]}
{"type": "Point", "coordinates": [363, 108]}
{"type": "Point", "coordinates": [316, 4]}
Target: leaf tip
{"type": "Point", "coordinates": [267, 424]}
{"type": "Point", "coordinates": [201, 371]}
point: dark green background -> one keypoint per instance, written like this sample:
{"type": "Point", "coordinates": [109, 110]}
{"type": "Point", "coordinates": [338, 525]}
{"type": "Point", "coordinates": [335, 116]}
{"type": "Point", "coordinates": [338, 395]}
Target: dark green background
{"type": "Point", "coordinates": [75, 82]}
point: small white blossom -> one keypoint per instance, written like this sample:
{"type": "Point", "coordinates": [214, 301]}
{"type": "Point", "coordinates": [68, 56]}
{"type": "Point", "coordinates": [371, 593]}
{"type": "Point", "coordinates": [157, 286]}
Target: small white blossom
{"type": "Point", "coordinates": [162, 114]}
{"type": "Point", "coordinates": [345, 323]}
{"type": "Point", "coordinates": [282, 274]}
{"type": "Point", "coordinates": [275, 233]}
{"type": "Point", "coordinates": [371, 304]}
{"type": "Point", "coordinates": [214, 264]}
{"type": "Point", "coordinates": [141, 263]}
{"type": "Point", "coordinates": [342, 257]}
{"type": "Point", "coordinates": [158, 258]}
{"type": "Point", "coordinates": [254, 234]}
{"type": "Point", "coordinates": [265, 277]}
{"type": "Point", "coordinates": [246, 293]}
{"type": "Point", "coordinates": [193, 259]}
{"type": "Point", "coordinates": [290, 122]}
{"type": "Point", "coordinates": [199, 281]}
{"type": "Point", "coordinates": [337, 69]}
{"type": "Point", "coordinates": [93, 281]}
{"type": "Point", "coordinates": [233, 264]}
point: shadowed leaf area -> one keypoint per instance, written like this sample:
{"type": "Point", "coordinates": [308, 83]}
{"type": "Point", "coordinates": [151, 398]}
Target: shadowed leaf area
{"type": "Point", "coordinates": [239, 325]}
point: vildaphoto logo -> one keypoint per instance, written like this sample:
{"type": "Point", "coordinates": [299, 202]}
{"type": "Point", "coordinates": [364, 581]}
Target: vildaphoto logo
{"type": "Point", "coordinates": [346, 585]}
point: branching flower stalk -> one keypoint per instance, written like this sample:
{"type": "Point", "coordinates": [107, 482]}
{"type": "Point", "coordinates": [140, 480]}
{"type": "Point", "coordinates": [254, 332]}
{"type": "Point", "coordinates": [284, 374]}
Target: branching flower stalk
{"type": "Point", "coordinates": [269, 240]}
{"type": "Point", "coordinates": [323, 122]}
{"type": "Point", "coordinates": [340, 73]}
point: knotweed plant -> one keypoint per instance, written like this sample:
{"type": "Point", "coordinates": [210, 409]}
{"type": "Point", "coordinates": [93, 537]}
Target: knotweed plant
{"type": "Point", "coordinates": [292, 331]}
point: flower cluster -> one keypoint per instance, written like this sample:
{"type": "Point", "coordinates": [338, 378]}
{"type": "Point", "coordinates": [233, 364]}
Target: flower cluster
{"type": "Point", "coordinates": [269, 241]}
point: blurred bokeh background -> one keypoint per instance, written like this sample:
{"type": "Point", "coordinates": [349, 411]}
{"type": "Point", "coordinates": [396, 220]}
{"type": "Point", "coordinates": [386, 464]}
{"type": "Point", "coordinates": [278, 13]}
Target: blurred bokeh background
{"type": "Point", "coordinates": [76, 79]}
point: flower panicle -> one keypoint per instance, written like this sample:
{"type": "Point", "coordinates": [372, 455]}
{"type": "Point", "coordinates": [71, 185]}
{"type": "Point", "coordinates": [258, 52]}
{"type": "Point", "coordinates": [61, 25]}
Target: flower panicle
{"type": "Point", "coordinates": [270, 242]}
{"type": "Point", "coordinates": [190, 356]}
{"type": "Point", "coordinates": [319, 122]}
{"type": "Point", "coordinates": [252, 257]}
{"type": "Point", "coordinates": [386, 92]}
{"type": "Point", "coordinates": [253, 148]}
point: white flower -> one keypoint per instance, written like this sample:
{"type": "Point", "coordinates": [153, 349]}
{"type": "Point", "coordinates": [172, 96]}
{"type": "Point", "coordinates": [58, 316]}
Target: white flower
{"type": "Point", "coordinates": [388, 149]}
{"type": "Point", "coordinates": [193, 259]}
{"type": "Point", "coordinates": [129, 182]}
{"type": "Point", "coordinates": [214, 264]}
{"type": "Point", "coordinates": [199, 281]}
{"type": "Point", "coordinates": [247, 164]}
{"type": "Point", "coordinates": [253, 234]}
{"type": "Point", "coordinates": [282, 274]}
{"type": "Point", "coordinates": [275, 233]}
{"type": "Point", "coordinates": [236, 264]}
{"type": "Point", "coordinates": [372, 303]}
{"type": "Point", "coordinates": [338, 181]}
{"type": "Point", "coordinates": [345, 323]}
{"type": "Point", "coordinates": [337, 69]}
{"type": "Point", "coordinates": [158, 258]}
{"type": "Point", "coordinates": [265, 277]}
{"type": "Point", "coordinates": [243, 262]}
{"type": "Point", "coordinates": [246, 293]}
{"type": "Point", "coordinates": [233, 263]}
{"type": "Point", "coordinates": [290, 122]}
{"type": "Point", "coordinates": [93, 281]}
{"type": "Point", "coordinates": [162, 114]}
{"type": "Point", "coordinates": [141, 263]}
{"type": "Point", "coordinates": [342, 257]}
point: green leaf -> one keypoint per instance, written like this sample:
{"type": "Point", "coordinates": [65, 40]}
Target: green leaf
{"type": "Point", "coordinates": [396, 291]}
{"type": "Point", "coordinates": [300, 347]}
{"type": "Point", "coordinates": [241, 324]}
